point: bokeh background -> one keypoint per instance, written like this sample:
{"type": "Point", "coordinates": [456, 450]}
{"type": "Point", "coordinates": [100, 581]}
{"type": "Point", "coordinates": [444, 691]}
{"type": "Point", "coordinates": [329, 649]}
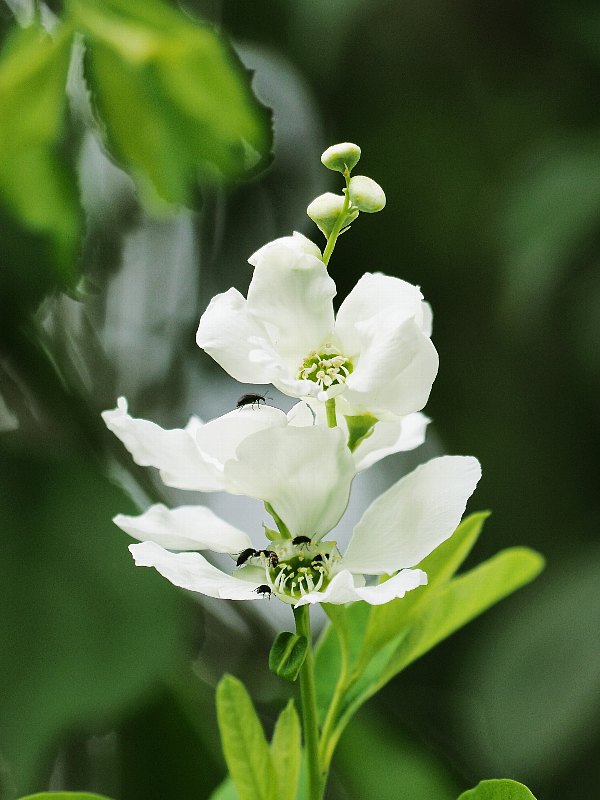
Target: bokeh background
{"type": "Point", "coordinates": [482, 123]}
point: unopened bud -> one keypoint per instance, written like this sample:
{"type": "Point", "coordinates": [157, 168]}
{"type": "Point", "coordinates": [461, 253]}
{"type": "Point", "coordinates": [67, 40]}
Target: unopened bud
{"type": "Point", "coordinates": [326, 209]}
{"type": "Point", "coordinates": [366, 194]}
{"type": "Point", "coordinates": [341, 157]}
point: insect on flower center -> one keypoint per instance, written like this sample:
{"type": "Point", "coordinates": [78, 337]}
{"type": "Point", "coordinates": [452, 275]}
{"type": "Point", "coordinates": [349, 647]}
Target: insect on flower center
{"type": "Point", "coordinates": [326, 367]}
{"type": "Point", "coordinates": [303, 569]}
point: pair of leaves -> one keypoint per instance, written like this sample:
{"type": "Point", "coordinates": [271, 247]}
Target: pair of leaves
{"type": "Point", "coordinates": [376, 643]}
{"type": "Point", "coordinates": [259, 771]}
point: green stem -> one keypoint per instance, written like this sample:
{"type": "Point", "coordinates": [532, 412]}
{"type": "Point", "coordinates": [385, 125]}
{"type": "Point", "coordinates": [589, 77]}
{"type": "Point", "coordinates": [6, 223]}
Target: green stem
{"type": "Point", "coordinates": [335, 231]}
{"type": "Point", "coordinates": [331, 416]}
{"type": "Point", "coordinates": [328, 739]}
{"type": "Point", "coordinates": [316, 779]}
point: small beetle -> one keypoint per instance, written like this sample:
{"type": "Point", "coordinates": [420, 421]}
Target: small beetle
{"type": "Point", "coordinates": [253, 400]}
{"type": "Point", "coordinates": [249, 552]}
{"type": "Point", "coordinates": [264, 590]}
{"type": "Point", "coordinates": [271, 557]}
{"type": "Point", "coordinates": [301, 540]}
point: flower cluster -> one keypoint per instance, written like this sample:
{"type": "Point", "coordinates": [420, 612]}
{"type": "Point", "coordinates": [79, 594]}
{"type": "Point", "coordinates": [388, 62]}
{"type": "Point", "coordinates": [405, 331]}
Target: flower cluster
{"type": "Point", "coordinates": [361, 378]}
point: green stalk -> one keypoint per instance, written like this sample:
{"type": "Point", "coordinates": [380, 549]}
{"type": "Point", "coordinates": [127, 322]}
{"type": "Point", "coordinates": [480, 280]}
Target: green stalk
{"type": "Point", "coordinates": [335, 231]}
{"type": "Point", "coordinates": [308, 694]}
{"type": "Point", "coordinates": [331, 415]}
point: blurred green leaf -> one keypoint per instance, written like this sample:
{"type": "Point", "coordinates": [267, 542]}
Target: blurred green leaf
{"type": "Point", "coordinates": [498, 790]}
{"type": "Point", "coordinates": [286, 752]}
{"type": "Point", "coordinates": [84, 632]}
{"type": "Point", "coordinates": [226, 791]}
{"type": "Point", "coordinates": [287, 655]}
{"type": "Point", "coordinates": [244, 745]}
{"type": "Point", "coordinates": [173, 99]}
{"type": "Point", "coordinates": [374, 760]}
{"type": "Point", "coordinates": [547, 649]}
{"type": "Point", "coordinates": [39, 207]}
{"type": "Point", "coordinates": [551, 211]}
{"type": "Point", "coordinates": [64, 796]}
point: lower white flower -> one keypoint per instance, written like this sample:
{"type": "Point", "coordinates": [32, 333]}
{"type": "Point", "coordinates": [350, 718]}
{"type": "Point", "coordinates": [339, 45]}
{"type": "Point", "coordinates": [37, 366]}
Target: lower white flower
{"type": "Point", "coordinates": [304, 477]}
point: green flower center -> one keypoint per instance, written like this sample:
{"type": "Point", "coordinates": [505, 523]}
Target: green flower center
{"type": "Point", "coordinates": [326, 367]}
{"type": "Point", "coordinates": [302, 568]}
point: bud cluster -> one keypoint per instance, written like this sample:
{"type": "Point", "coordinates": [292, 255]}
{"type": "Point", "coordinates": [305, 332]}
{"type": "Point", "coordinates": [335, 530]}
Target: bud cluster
{"type": "Point", "coordinates": [333, 213]}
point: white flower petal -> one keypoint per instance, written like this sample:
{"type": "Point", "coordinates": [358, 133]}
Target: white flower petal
{"type": "Point", "coordinates": [397, 586]}
{"type": "Point", "coordinates": [220, 438]}
{"type": "Point", "coordinates": [413, 517]}
{"type": "Point", "coordinates": [388, 437]}
{"type": "Point", "coordinates": [296, 242]}
{"type": "Point", "coordinates": [396, 368]}
{"type": "Point", "coordinates": [304, 473]}
{"type": "Point", "coordinates": [375, 294]}
{"type": "Point", "coordinates": [193, 572]}
{"type": "Point", "coordinates": [228, 332]}
{"type": "Point", "coordinates": [184, 528]}
{"type": "Point", "coordinates": [173, 452]}
{"type": "Point", "coordinates": [343, 589]}
{"type": "Point", "coordinates": [291, 295]}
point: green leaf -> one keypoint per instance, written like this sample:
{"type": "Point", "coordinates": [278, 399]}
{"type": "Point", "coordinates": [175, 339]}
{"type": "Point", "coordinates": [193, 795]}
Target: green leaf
{"type": "Point", "coordinates": [375, 760]}
{"type": "Point", "coordinates": [226, 791]}
{"type": "Point", "coordinates": [246, 751]}
{"type": "Point", "coordinates": [498, 790]}
{"type": "Point", "coordinates": [174, 101]}
{"type": "Point", "coordinates": [40, 215]}
{"type": "Point", "coordinates": [64, 796]}
{"type": "Point", "coordinates": [287, 655]}
{"type": "Point", "coordinates": [286, 751]}
{"type": "Point", "coordinates": [387, 620]}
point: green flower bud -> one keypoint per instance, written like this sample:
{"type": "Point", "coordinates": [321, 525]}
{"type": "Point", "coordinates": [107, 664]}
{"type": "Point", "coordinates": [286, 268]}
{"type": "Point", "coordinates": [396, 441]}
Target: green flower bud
{"type": "Point", "coordinates": [366, 194]}
{"type": "Point", "coordinates": [341, 157]}
{"type": "Point", "coordinates": [326, 209]}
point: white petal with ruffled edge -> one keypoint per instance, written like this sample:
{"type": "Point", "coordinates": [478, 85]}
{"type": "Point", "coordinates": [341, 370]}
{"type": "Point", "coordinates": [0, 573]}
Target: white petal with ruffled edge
{"type": "Point", "coordinates": [396, 368]}
{"type": "Point", "coordinates": [184, 528]}
{"type": "Point", "coordinates": [193, 572]}
{"type": "Point", "coordinates": [389, 437]}
{"type": "Point", "coordinates": [414, 516]}
{"type": "Point", "coordinates": [228, 332]}
{"type": "Point", "coordinates": [173, 452]}
{"type": "Point", "coordinates": [219, 439]}
{"type": "Point", "coordinates": [291, 294]}
{"type": "Point", "coordinates": [343, 589]}
{"type": "Point", "coordinates": [375, 294]}
{"type": "Point", "coordinates": [304, 473]}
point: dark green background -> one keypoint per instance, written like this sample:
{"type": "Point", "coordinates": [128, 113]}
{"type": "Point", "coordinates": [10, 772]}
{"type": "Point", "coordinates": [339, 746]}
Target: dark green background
{"type": "Point", "coordinates": [481, 121]}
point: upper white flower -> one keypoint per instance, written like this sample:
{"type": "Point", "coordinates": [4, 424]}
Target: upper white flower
{"type": "Point", "coordinates": [303, 474]}
{"type": "Point", "coordinates": [377, 351]}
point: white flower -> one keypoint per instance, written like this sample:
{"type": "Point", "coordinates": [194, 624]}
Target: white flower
{"type": "Point", "coordinates": [303, 474]}
{"type": "Point", "coordinates": [377, 352]}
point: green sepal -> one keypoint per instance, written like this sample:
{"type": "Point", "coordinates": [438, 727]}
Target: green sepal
{"type": "Point", "coordinates": [271, 535]}
{"type": "Point", "coordinates": [360, 427]}
{"type": "Point", "coordinates": [287, 655]}
{"type": "Point", "coordinates": [498, 790]}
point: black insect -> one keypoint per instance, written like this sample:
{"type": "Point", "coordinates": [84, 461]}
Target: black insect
{"type": "Point", "coordinates": [301, 540]}
{"type": "Point", "coordinates": [319, 558]}
{"type": "Point", "coordinates": [253, 400]}
{"type": "Point", "coordinates": [264, 590]}
{"type": "Point", "coordinates": [271, 557]}
{"type": "Point", "coordinates": [249, 552]}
